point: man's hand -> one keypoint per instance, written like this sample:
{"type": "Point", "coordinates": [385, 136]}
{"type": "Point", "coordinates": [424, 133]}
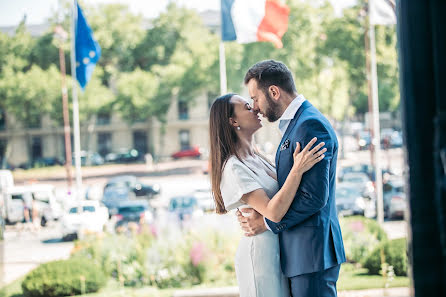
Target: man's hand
{"type": "Point", "coordinates": [253, 223]}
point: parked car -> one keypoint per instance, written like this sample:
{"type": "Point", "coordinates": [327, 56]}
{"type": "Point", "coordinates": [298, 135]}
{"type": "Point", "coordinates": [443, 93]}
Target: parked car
{"type": "Point", "coordinates": [204, 199]}
{"type": "Point", "coordinates": [350, 199]}
{"type": "Point", "coordinates": [364, 140]}
{"type": "Point", "coordinates": [394, 198]}
{"type": "Point", "coordinates": [362, 168]}
{"type": "Point", "coordinates": [184, 207]}
{"type": "Point", "coordinates": [90, 159]}
{"type": "Point", "coordinates": [391, 138]}
{"type": "Point", "coordinates": [124, 156]}
{"type": "Point", "coordinates": [15, 199]}
{"type": "Point", "coordinates": [361, 181]}
{"type": "Point", "coordinates": [132, 183]}
{"type": "Point", "coordinates": [45, 199]}
{"type": "Point", "coordinates": [193, 152]}
{"type": "Point", "coordinates": [136, 211]}
{"type": "Point", "coordinates": [83, 217]}
{"type": "Point", "coordinates": [46, 162]}
{"type": "Point", "coordinates": [114, 195]}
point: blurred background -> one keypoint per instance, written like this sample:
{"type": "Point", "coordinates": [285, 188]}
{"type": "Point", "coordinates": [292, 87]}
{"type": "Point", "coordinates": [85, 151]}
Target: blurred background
{"type": "Point", "coordinates": [144, 140]}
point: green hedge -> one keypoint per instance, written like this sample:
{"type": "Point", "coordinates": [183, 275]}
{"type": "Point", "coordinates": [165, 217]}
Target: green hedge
{"type": "Point", "coordinates": [361, 236]}
{"type": "Point", "coordinates": [392, 252]}
{"type": "Point", "coordinates": [64, 278]}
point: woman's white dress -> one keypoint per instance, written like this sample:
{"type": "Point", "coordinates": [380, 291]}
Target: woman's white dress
{"type": "Point", "coordinates": [257, 261]}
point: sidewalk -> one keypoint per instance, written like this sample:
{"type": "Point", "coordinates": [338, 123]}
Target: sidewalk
{"type": "Point", "coordinates": [233, 292]}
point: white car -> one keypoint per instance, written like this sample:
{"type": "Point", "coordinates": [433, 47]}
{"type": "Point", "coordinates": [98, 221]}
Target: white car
{"type": "Point", "coordinates": [45, 198]}
{"type": "Point", "coordinates": [87, 216]}
{"type": "Point", "coordinates": [204, 199]}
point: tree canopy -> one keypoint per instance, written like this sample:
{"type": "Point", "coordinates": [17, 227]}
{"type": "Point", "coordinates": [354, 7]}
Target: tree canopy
{"type": "Point", "coordinates": [145, 63]}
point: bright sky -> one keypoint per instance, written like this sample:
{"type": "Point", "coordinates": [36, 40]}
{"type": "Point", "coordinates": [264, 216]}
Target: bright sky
{"type": "Point", "coordinates": [37, 11]}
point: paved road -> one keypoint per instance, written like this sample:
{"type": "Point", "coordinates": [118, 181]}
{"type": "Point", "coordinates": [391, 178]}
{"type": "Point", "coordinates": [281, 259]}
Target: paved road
{"type": "Point", "coordinates": [23, 250]}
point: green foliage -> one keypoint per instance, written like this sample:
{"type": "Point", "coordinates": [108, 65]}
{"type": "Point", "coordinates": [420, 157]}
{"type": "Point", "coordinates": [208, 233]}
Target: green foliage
{"type": "Point", "coordinates": [146, 63]}
{"type": "Point", "coordinates": [393, 252]}
{"type": "Point", "coordinates": [361, 236]}
{"type": "Point", "coordinates": [62, 278]}
{"type": "Point", "coordinates": [122, 258]}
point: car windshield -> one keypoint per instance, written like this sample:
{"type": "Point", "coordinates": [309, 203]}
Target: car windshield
{"type": "Point", "coordinates": [345, 192]}
{"type": "Point", "coordinates": [131, 209]}
{"type": "Point", "coordinates": [87, 208]}
{"type": "Point", "coordinates": [186, 202]}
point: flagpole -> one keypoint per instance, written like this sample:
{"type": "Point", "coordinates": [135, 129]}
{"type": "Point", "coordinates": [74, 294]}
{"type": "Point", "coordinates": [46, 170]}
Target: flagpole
{"type": "Point", "coordinates": [223, 82]}
{"type": "Point", "coordinates": [376, 140]}
{"type": "Point", "coordinates": [76, 128]}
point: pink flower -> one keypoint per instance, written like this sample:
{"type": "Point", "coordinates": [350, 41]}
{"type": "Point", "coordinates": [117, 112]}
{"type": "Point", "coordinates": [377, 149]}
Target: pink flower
{"type": "Point", "coordinates": [197, 253]}
{"type": "Point", "coordinates": [154, 230]}
{"type": "Point", "coordinates": [357, 226]}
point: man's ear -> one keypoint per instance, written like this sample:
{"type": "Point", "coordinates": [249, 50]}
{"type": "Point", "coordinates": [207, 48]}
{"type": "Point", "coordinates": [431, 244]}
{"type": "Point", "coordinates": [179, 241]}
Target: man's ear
{"type": "Point", "coordinates": [274, 92]}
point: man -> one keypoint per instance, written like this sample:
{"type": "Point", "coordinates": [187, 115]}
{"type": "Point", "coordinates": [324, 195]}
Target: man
{"type": "Point", "coordinates": [310, 237]}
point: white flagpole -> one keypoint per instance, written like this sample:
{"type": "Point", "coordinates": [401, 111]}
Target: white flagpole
{"type": "Point", "coordinates": [376, 141]}
{"type": "Point", "coordinates": [76, 129]}
{"type": "Point", "coordinates": [223, 83]}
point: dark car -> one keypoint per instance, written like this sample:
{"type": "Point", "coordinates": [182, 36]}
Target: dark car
{"type": "Point", "coordinates": [193, 152]}
{"type": "Point", "coordinates": [350, 200]}
{"type": "Point", "coordinates": [133, 184]}
{"type": "Point", "coordinates": [46, 162]}
{"type": "Point", "coordinates": [124, 156]}
{"type": "Point", "coordinates": [136, 211]}
{"type": "Point", "coordinates": [114, 195]}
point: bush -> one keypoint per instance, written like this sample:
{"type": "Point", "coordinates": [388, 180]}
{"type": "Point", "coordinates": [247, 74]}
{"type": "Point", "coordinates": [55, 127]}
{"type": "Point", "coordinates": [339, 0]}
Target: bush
{"type": "Point", "coordinates": [361, 236]}
{"type": "Point", "coordinates": [393, 252]}
{"type": "Point", "coordinates": [121, 257]}
{"type": "Point", "coordinates": [64, 278]}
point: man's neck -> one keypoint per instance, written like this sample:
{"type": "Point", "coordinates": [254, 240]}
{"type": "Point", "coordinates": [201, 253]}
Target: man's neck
{"type": "Point", "coordinates": [287, 99]}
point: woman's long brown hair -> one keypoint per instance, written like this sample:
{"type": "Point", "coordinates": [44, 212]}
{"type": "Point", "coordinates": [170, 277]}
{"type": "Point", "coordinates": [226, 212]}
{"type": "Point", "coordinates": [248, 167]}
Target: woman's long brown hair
{"type": "Point", "coordinates": [224, 143]}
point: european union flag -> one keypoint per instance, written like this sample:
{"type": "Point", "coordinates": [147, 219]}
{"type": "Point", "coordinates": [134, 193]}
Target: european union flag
{"type": "Point", "coordinates": [88, 50]}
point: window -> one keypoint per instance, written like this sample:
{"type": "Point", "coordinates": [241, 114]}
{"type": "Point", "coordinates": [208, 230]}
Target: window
{"type": "Point", "coordinates": [36, 148]}
{"type": "Point", "coordinates": [140, 141]}
{"type": "Point", "coordinates": [103, 118]}
{"type": "Point", "coordinates": [104, 143]}
{"type": "Point", "coordinates": [184, 139]}
{"type": "Point", "coordinates": [183, 110]}
{"type": "Point", "coordinates": [2, 119]}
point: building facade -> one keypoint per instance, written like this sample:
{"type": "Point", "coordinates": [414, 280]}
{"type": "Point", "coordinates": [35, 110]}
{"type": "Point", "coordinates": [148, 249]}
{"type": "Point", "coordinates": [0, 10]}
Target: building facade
{"type": "Point", "coordinates": [187, 126]}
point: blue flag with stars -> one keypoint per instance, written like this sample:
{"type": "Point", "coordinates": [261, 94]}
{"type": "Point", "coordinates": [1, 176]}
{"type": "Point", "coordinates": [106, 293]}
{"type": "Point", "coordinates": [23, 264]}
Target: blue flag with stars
{"type": "Point", "coordinates": [88, 50]}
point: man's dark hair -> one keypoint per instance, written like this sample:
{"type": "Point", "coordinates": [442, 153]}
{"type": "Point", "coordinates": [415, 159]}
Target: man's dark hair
{"type": "Point", "coordinates": [271, 72]}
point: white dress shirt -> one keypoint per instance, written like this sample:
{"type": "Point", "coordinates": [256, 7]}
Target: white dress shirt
{"type": "Point", "coordinates": [289, 113]}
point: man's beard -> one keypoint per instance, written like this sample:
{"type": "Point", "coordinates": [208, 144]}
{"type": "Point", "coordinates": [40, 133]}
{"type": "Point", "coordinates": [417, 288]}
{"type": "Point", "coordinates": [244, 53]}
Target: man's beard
{"type": "Point", "coordinates": [272, 111]}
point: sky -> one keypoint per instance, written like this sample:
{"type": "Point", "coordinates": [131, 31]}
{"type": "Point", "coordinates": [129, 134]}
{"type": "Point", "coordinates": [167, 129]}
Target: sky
{"type": "Point", "coordinates": [37, 11]}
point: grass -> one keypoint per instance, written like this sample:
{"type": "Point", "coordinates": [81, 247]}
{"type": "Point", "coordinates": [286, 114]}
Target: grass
{"type": "Point", "coordinates": [351, 278]}
{"type": "Point", "coordinates": [354, 278]}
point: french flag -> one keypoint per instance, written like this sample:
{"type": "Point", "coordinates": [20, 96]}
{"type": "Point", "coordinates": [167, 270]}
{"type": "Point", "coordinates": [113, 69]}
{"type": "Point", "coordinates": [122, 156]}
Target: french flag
{"type": "Point", "coordinates": [254, 20]}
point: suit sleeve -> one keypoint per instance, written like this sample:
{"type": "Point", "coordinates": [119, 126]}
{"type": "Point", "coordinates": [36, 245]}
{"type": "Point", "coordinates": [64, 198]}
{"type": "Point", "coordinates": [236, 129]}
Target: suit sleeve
{"type": "Point", "coordinates": [313, 192]}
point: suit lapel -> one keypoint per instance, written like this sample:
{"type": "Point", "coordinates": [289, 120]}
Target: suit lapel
{"type": "Point", "coordinates": [304, 106]}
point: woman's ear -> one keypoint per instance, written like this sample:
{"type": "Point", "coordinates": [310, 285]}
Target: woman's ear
{"type": "Point", "coordinates": [232, 122]}
{"type": "Point", "coordinates": [274, 92]}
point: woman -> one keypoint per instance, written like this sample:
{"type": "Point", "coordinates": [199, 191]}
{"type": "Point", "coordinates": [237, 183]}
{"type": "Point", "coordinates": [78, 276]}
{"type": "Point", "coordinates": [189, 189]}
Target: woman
{"type": "Point", "coordinates": [243, 178]}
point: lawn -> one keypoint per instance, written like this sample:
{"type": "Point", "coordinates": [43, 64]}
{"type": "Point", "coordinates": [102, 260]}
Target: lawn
{"type": "Point", "coordinates": [351, 278]}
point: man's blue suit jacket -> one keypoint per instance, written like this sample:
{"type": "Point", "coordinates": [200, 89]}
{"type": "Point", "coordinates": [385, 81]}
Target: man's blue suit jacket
{"type": "Point", "coordinates": [309, 233]}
